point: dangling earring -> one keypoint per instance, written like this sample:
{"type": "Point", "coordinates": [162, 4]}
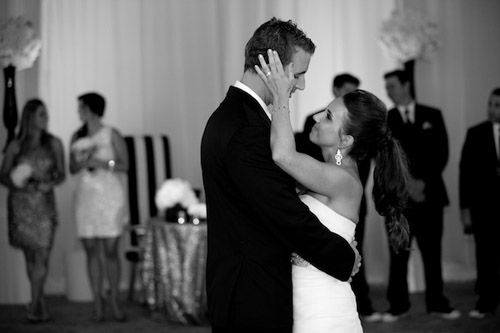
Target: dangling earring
{"type": "Point", "coordinates": [338, 157]}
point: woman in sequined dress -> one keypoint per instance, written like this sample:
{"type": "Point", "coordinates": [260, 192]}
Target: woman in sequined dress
{"type": "Point", "coordinates": [99, 157]}
{"type": "Point", "coordinates": [33, 165]}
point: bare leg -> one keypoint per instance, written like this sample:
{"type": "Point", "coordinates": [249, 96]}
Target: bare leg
{"type": "Point", "coordinates": [38, 282]}
{"type": "Point", "coordinates": [113, 272]}
{"type": "Point", "coordinates": [29, 256]}
{"type": "Point", "coordinates": [93, 248]}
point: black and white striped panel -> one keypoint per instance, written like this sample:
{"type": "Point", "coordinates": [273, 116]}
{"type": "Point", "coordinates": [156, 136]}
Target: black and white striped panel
{"type": "Point", "coordinates": [149, 166]}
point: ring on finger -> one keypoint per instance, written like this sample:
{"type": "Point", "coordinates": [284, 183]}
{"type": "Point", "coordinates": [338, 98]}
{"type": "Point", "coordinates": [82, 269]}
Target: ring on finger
{"type": "Point", "coordinates": [268, 73]}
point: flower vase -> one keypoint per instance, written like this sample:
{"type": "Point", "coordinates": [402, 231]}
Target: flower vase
{"type": "Point", "coordinates": [9, 105]}
{"type": "Point", "coordinates": [176, 214]}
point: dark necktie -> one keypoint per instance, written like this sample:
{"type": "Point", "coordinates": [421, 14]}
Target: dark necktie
{"type": "Point", "coordinates": [407, 117]}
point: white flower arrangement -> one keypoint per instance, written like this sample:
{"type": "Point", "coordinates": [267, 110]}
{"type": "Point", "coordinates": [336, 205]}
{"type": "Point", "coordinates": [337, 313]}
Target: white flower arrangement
{"type": "Point", "coordinates": [198, 210]}
{"type": "Point", "coordinates": [18, 45]}
{"type": "Point", "coordinates": [406, 35]}
{"type": "Point", "coordinates": [174, 192]}
{"type": "Point", "coordinates": [21, 174]}
{"type": "Point", "coordinates": [83, 148]}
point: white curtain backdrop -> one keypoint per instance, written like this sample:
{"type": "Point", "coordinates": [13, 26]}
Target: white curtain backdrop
{"type": "Point", "coordinates": [164, 66]}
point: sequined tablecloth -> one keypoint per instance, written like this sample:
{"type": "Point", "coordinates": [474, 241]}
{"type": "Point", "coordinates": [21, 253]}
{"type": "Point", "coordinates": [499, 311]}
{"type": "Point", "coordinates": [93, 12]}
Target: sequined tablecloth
{"type": "Point", "coordinates": [173, 270]}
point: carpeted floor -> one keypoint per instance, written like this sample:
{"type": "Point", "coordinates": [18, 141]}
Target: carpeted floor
{"type": "Point", "coordinates": [74, 317]}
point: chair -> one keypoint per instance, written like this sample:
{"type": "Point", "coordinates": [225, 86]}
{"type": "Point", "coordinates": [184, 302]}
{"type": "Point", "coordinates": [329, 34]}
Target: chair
{"type": "Point", "coordinates": [149, 166]}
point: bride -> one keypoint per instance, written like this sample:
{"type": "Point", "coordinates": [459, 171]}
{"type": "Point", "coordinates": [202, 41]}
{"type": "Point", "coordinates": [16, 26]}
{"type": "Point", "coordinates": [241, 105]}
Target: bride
{"type": "Point", "coordinates": [352, 128]}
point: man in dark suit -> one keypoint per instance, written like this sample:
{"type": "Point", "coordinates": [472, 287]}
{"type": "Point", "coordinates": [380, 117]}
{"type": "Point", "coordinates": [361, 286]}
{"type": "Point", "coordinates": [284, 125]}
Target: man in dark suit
{"type": "Point", "coordinates": [422, 134]}
{"type": "Point", "coordinates": [255, 218]}
{"type": "Point", "coordinates": [479, 185]}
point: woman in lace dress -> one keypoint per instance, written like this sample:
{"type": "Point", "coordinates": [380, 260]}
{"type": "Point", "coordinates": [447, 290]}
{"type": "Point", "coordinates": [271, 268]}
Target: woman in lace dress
{"type": "Point", "coordinates": [352, 128]}
{"type": "Point", "coordinates": [99, 156]}
{"type": "Point", "coordinates": [32, 166]}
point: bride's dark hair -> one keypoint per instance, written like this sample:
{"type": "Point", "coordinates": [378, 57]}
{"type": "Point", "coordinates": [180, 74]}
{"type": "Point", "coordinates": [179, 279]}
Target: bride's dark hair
{"type": "Point", "coordinates": [366, 122]}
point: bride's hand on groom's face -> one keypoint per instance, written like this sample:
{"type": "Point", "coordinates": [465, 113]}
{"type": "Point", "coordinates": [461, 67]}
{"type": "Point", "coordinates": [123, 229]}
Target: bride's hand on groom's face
{"type": "Point", "coordinates": [279, 81]}
{"type": "Point", "coordinates": [357, 260]}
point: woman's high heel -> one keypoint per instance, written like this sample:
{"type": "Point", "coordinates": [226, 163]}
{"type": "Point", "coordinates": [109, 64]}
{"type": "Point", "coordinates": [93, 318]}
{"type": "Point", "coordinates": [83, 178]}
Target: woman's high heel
{"type": "Point", "coordinates": [45, 316]}
{"type": "Point", "coordinates": [98, 316]}
{"type": "Point", "coordinates": [118, 315]}
{"type": "Point", "coordinates": [32, 315]}
{"type": "Point", "coordinates": [121, 318]}
{"type": "Point", "coordinates": [33, 319]}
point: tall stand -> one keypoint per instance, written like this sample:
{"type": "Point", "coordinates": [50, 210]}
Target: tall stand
{"type": "Point", "coordinates": [9, 105]}
{"type": "Point", "coordinates": [410, 70]}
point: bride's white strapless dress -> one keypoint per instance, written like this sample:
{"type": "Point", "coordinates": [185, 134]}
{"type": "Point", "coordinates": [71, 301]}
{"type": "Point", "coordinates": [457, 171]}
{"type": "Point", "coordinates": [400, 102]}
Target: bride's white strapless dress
{"type": "Point", "coordinates": [321, 303]}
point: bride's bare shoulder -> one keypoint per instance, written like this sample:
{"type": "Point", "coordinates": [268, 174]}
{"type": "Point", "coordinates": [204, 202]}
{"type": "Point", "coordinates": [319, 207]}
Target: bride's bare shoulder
{"type": "Point", "coordinates": [345, 192]}
{"type": "Point", "coordinates": [344, 179]}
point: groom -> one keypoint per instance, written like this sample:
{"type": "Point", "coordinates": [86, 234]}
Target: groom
{"type": "Point", "coordinates": [255, 218]}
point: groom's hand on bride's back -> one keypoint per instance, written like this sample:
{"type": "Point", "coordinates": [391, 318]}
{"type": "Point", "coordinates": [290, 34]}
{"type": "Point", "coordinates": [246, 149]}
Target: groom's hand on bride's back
{"type": "Point", "coordinates": [357, 261]}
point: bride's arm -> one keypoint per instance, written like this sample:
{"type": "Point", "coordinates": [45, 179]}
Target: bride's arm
{"type": "Point", "coordinates": [305, 169]}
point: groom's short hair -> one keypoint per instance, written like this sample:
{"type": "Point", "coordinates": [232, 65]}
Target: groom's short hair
{"type": "Point", "coordinates": [283, 37]}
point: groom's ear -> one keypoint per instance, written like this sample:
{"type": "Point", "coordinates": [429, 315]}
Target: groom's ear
{"type": "Point", "coordinates": [288, 67]}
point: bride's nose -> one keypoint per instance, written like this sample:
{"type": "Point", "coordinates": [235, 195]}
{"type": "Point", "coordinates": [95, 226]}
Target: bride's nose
{"type": "Point", "coordinates": [318, 116]}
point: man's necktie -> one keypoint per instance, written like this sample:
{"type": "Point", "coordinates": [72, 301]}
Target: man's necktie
{"type": "Point", "coordinates": [407, 117]}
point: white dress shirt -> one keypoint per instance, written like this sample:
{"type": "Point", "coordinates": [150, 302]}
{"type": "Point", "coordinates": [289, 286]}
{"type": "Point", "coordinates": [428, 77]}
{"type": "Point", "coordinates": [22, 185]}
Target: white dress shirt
{"type": "Point", "coordinates": [496, 135]}
{"type": "Point", "coordinates": [238, 84]}
{"type": "Point", "coordinates": [411, 112]}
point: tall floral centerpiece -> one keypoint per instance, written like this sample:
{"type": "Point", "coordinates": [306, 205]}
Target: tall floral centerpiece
{"type": "Point", "coordinates": [19, 48]}
{"type": "Point", "coordinates": [177, 200]}
{"type": "Point", "coordinates": [406, 36]}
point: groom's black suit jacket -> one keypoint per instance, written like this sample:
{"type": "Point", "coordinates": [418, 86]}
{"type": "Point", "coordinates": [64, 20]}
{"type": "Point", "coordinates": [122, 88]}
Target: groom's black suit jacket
{"type": "Point", "coordinates": [255, 221]}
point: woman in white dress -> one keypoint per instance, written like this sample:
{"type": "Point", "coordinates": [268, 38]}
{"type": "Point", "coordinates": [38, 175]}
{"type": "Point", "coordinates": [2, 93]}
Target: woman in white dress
{"type": "Point", "coordinates": [99, 155]}
{"type": "Point", "coordinates": [352, 128]}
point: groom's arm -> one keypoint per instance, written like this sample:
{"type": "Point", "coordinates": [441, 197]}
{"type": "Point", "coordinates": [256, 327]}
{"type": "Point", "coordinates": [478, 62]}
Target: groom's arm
{"type": "Point", "coordinates": [270, 192]}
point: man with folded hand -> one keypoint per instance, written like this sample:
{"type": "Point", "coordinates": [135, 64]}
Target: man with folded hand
{"type": "Point", "coordinates": [422, 133]}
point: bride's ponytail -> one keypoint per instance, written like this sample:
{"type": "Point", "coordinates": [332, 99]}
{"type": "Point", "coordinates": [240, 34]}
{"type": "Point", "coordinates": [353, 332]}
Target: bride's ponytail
{"type": "Point", "coordinates": [390, 190]}
{"type": "Point", "coordinates": [367, 123]}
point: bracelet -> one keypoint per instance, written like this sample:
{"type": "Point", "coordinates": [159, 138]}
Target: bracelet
{"type": "Point", "coordinates": [111, 165]}
{"type": "Point", "coordinates": [282, 107]}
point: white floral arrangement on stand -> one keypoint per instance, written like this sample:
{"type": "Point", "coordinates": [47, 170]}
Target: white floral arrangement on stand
{"type": "Point", "coordinates": [198, 211]}
{"type": "Point", "coordinates": [174, 198]}
{"type": "Point", "coordinates": [406, 36]}
{"type": "Point", "coordinates": [21, 174]}
{"type": "Point", "coordinates": [83, 148]}
{"type": "Point", "coordinates": [18, 45]}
